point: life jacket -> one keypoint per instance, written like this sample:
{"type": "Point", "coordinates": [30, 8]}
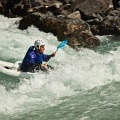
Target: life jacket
{"type": "Point", "coordinates": [29, 58]}
{"type": "Point", "coordinates": [33, 59]}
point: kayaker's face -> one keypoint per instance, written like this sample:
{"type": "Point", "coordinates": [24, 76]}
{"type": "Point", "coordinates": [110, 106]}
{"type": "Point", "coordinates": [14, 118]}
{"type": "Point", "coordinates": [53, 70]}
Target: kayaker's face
{"type": "Point", "coordinates": [42, 48]}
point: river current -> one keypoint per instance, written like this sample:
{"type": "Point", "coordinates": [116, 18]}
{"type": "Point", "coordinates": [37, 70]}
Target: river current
{"type": "Point", "coordinates": [84, 85]}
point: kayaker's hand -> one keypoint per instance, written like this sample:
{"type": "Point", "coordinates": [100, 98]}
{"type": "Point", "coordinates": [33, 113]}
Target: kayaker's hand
{"type": "Point", "coordinates": [53, 54]}
{"type": "Point", "coordinates": [44, 65]}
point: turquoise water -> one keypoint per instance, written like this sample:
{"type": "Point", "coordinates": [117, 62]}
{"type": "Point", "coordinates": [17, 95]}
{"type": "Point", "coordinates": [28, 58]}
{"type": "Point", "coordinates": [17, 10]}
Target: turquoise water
{"type": "Point", "coordinates": [85, 85]}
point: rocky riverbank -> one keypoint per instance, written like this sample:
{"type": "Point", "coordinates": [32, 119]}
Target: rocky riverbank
{"type": "Point", "coordinates": [78, 21]}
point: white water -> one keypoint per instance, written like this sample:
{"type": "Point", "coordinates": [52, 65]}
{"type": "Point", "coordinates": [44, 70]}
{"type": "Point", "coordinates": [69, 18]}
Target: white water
{"type": "Point", "coordinates": [75, 72]}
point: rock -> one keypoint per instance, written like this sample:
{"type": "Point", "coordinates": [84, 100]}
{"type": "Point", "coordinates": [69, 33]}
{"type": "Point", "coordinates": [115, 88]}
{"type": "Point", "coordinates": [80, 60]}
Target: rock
{"type": "Point", "coordinates": [36, 3]}
{"type": "Point", "coordinates": [74, 15]}
{"type": "Point", "coordinates": [17, 7]}
{"type": "Point", "coordinates": [1, 9]}
{"type": "Point", "coordinates": [89, 6]}
{"type": "Point", "coordinates": [116, 4]}
{"type": "Point", "coordinates": [110, 25]}
{"type": "Point", "coordinates": [77, 32]}
{"type": "Point", "coordinates": [67, 18]}
{"type": "Point", "coordinates": [66, 1]}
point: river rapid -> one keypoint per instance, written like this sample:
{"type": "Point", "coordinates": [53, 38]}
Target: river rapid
{"type": "Point", "coordinates": [84, 85]}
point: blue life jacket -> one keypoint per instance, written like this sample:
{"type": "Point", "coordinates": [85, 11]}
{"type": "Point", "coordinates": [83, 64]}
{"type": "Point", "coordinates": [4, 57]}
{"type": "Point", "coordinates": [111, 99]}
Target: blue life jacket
{"type": "Point", "coordinates": [33, 58]}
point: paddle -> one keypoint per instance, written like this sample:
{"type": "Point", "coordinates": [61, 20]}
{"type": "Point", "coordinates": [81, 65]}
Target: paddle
{"type": "Point", "coordinates": [62, 44]}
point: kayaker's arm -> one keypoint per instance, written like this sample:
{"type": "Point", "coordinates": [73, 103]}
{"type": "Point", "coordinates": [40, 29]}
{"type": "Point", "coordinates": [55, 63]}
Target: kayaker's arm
{"type": "Point", "coordinates": [48, 57]}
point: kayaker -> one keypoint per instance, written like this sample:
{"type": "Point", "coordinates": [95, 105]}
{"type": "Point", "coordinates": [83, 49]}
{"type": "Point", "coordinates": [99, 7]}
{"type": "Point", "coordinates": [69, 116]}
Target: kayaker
{"type": "Point", "coordinates": [34, 57]}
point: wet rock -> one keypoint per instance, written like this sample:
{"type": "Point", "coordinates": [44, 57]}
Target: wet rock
{"type": "Point", "coordinates": [36, 3]}
{"type": "Point", "coordinates": [65, 18]}
{"type": "Point", "coordinates": [116, 4]}
{"type": "Point", "coordinates": [74, 15]}
{"type": "Point", "coordinates": [88, 7]}
{"type": "Point", "coordinates": [1, 9]}
{"type": "Point", "coordinates": [77, 32]}
{"type": "Point", "coordinates": [110, 25]}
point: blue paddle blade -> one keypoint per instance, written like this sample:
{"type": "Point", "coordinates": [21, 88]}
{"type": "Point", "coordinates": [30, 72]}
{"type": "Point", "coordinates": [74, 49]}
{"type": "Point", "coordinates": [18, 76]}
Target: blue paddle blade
{"type": "Point", "coordinates": [62, 44]}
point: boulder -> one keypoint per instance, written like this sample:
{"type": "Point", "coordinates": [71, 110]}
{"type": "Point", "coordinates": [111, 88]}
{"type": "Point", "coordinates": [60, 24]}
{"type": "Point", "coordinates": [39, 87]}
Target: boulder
{"type": "Point", "coordinates": [77, 32]}
{"type": "Point", "coordinates": [88, 7]}
{"type": "Point", "coordinates": [110, 25]}
{"type": "Point", "coordinates": [116, 4]}
{"type": "Point", "coordinates": [1, 9]}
